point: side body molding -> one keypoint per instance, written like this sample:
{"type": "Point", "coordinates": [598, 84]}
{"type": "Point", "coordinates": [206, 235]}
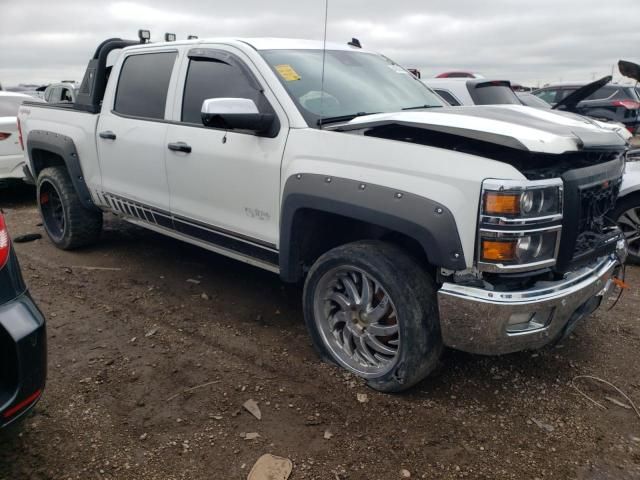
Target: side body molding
{"type": "Point", "coordinates": [63, 146]}
{"type": "Point", "coordinates": [428, 222]}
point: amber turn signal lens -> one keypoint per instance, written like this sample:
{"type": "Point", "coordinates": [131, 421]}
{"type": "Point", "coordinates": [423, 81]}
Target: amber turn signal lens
{"type": "Point", "coordinates": [499, 251]}
{"type": "Point", "coordinates": [496, 203]}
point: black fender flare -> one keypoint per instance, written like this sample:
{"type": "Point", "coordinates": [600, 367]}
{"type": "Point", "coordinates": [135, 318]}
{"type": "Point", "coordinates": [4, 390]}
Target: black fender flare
{"type": "Point", "coordinates": [428, 222]}
{"type": "Point", "coordinates": [65, 148]}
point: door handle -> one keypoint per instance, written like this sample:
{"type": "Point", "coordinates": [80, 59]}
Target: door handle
{"type": "Point", "coordinates": [107, 135]}
{"type": "Point", "coordinates": [180, 147]}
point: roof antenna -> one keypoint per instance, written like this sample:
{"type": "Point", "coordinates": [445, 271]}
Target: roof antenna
{"type": "Point", "coordinates": [355, 43]}
{"type": "Point", "coordinates": [324, 54]}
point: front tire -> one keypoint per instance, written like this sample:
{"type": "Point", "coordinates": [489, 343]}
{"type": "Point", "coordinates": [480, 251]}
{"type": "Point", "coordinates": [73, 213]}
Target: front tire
{"type": "Point", "coordinates": [372, 309]}
{"type": "Point", "coordinates": [68, 223]}
{"type": "Point", "coordinates": [627, 216]}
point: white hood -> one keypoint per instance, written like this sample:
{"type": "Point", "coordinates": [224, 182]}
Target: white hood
{"type": "Point", "coordinates": [514, 126]}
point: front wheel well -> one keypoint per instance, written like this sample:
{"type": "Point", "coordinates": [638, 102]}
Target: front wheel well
{"type": "Point", "coordinates": [315, 232]}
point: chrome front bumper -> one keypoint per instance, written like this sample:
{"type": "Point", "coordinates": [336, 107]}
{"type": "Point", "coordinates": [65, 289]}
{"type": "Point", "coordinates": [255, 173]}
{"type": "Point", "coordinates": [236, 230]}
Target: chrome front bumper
{"type": "Point", "coordinates": [488, 322]}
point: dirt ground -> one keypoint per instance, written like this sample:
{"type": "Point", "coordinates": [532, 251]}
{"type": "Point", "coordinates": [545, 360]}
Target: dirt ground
{"type": "Point", "coordinates": [127, 341]}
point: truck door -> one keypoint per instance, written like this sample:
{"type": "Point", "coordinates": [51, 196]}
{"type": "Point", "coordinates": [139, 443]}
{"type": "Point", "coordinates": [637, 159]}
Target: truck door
{"type": "Point", "coordinates": [131, 135]}
{"type": "Point", "coordinates": [225, 189]}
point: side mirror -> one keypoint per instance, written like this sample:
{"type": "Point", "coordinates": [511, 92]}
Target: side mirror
{"type": "Point", "coordinates": [236, 114]}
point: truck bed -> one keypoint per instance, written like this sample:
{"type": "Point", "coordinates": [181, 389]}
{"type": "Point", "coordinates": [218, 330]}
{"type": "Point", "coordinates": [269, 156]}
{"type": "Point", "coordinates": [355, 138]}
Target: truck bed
{"type": "Point", "coordinates": [67, 120]}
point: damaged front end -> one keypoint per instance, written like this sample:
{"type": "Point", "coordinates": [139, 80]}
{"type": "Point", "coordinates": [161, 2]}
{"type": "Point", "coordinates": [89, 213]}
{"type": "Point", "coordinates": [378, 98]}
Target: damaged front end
{"type": "Point", "coordinates": [547, 252]}
{"type": "Point", "coordinates": [536, 277]}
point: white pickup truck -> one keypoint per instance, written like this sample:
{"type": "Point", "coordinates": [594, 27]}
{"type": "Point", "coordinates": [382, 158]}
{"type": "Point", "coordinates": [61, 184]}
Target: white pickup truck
{"type": "Point", "coordinates": [413, 225]}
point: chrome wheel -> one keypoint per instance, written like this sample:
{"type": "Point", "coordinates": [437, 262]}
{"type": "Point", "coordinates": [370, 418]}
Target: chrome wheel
{"type": "Point", "coordinates": [357, 320]}
{"type": "Point", "coordinates": [629, 222]}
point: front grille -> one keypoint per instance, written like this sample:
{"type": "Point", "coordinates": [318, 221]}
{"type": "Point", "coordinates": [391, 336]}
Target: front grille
{"type": "Point", "coordinates": [596, 202]}
{"type": "Point", "coordinates": [590, 195]}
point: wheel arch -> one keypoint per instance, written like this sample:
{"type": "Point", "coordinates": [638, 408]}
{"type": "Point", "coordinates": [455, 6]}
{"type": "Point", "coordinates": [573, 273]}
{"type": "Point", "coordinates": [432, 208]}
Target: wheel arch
{"type": "Point", "coordinates": [360, 211]}
{"type": "Point", "coordinates": [48, 149]}
{"type": "Point", "coordinates": [629, 190]}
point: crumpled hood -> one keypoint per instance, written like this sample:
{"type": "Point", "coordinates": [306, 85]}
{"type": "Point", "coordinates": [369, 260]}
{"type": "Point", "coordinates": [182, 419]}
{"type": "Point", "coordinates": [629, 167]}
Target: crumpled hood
{"type": "Point", "coordinates": [514, 126]}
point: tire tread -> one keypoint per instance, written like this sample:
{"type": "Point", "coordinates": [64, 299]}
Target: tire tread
{"type": "Point", "coordinates": [83, 226]}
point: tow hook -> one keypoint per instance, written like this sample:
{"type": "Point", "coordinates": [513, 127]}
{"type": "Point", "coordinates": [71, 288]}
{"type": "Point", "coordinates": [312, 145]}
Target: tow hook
{"type": "Point", "coordinates": [614, 287]}
{"type": "Point", "coordinates": [622, 250]}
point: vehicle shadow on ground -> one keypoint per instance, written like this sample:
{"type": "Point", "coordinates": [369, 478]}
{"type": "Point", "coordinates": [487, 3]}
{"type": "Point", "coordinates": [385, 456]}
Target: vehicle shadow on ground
{"type": "Point", "coordinates": [259, 291]}
{"type": "Point", "coordinates": [247, 293]}
{"type": "Point", "coordinates": [161, 253]}
{"type": "Point", "coordinates": [155, 255]}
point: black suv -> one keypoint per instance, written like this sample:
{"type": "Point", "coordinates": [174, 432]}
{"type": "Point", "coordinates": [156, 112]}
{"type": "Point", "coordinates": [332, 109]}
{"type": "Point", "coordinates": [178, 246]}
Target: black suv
{"type": "Point", "coordinates": [611, 102]}
{"type": "Point", "coordinates": [23, 341]}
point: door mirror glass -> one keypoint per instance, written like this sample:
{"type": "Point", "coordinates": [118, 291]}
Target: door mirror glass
{"type": "Point", "coordinates": [235, 114]}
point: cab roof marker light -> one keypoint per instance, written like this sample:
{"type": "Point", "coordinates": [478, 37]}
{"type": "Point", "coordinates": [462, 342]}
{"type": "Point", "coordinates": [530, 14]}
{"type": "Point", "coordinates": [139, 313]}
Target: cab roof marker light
{"type": "Point", "coordinates": [169, 37]}
{"type": "Point", "coordinates": [144, 36]}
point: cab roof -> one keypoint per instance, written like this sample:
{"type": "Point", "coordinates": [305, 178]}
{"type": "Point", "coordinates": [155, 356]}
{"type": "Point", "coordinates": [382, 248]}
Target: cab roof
{"type": "Point", "coordinates": [262, 43]}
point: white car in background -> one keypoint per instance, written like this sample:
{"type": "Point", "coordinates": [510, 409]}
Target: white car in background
{"type": "Point", "coordinates": [63, 92]}
{"type": "Point", "coordinates": [11, 153]}
{"type": "Point", "coordinates": [458, 91]}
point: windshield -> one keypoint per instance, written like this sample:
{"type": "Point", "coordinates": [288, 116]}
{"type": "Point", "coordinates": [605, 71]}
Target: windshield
{"type": "Point", "coordinates": [355, 83]}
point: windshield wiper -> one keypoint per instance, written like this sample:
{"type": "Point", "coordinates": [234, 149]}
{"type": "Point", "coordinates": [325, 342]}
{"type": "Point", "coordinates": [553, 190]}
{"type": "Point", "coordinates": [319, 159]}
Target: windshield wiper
{"type": "Point", "coordinates": [419, 107]}
{"type": "Point", "coordinates": [342, 118]}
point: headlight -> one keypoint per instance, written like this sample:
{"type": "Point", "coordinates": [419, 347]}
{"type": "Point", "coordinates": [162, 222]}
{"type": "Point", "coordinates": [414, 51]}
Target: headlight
{"type": "Point", "coordinates": [533, 202]}
{"type": "Point", "coordinates": [520, 224]}
{"type": "Point", "coordinates": [515, 249]}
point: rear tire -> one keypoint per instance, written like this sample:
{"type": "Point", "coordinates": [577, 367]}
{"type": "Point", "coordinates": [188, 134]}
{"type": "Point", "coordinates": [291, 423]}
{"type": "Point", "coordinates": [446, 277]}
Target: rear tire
{"type": "Point", "coordinates": [68, 223]}
{"type": "Point", "coordinates": [371, 309]}
{"type": "Point", "coordinates": [627, 216]}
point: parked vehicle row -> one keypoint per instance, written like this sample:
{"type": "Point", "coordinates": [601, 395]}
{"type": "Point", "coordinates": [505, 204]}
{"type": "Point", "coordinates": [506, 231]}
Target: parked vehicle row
{"type": "Point", "coordinates": [611, 102]}
{"type": "Point", "coordinates": [464, 91]}
{"type": "Point", "coordinates": [12, 159]}
{"type": "Point", "coordinates": [413, 225]}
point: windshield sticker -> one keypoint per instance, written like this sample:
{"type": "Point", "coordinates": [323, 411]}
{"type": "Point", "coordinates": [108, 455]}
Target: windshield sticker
{"type": "Point", "coordinates": [288, 73]}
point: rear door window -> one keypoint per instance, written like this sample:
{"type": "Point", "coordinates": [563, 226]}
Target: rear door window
{"type": "Point", "coordinates": [613, 92]}
{"type": "Point", "coordinates": [492, 93]}
{"type": "Point", "coordinates": [607, 92]}
{"type": "Point", "coordinates": [448, 97]}
{"type": "Point", "coordinates": [564, 93]}
{"type": "Point", "coordinates": [143, 85]}
{"type": "Point", "coordinates": [548, 96]}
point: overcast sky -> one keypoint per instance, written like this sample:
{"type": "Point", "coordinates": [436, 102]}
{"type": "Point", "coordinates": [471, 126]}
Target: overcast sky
{"type": "Point", "coordinates": [524, 41]}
